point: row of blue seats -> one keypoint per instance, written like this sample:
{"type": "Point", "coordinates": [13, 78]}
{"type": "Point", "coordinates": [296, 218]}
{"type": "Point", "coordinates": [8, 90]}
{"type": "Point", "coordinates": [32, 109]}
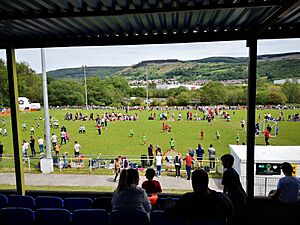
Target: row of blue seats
{"type": "Point", "coordinates": [57, 216]}
{"type": "Point", "coordinates": [26, 201]}
{"type": "Point", "coordinates": [69, 203]}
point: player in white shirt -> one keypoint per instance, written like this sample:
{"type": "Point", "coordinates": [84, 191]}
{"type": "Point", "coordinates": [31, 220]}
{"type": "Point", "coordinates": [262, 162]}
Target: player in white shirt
{"type": "Point", "coordinates": [76, 149]}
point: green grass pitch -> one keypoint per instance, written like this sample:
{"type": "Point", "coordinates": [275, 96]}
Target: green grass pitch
{"type": "Point", "coordinates": [116, 139]}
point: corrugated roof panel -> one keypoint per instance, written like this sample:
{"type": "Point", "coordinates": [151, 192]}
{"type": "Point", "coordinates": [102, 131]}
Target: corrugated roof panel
{"type": "Point", "coordinates": [28, 20]}
{"type": "Point", "coordinates": [58, 25]}
{"type": "Point", "coordinates": [104, 26]}
{"type": "Point", "coordinates": [114, 25]}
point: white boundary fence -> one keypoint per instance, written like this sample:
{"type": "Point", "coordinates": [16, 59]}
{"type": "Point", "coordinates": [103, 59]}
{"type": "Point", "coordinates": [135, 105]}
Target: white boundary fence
{"type": "Point", "coordinates": [93, 163]}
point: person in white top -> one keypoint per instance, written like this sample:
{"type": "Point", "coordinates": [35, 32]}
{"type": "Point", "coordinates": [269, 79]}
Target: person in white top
{"type": "Point", "coordinates": [41, 144]}
{"type": "Point", "coordinates": [158, 160]}
{"type": "Point", "coordinates": [76, 149]}
{"type": "Point", "coordinates": [54, 140]}
{"type": "Point", "coordinates": [32, 130]}
{"type": "Point", "coordinates": [25, 147]}
{"type": "Point", "coordinates": [288, 187]}
{"type": "Point", "coordinates": [63, 137]}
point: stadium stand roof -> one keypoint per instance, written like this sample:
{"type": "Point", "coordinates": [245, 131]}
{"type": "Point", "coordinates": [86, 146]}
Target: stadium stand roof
{"type": "Point", "coordinates": [54, 23]}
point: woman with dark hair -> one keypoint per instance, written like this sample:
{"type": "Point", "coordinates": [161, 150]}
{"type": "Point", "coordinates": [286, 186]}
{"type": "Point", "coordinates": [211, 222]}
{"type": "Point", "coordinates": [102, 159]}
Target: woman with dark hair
{"type": "Point", "coordinates": [128, 195]}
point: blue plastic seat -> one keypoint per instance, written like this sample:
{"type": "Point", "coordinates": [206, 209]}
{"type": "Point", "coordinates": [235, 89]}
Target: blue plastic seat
{"type": "Point", "coordinates": [93, 216]}
{"type": "Point", "coordinates": [129, 217]}
{"type": "Point", "coordinates": [102, 203]}
{"type": "Point", "coordinates": [24, 201]}
{"type": "Point", "coordinates": [16, 216]}
{"type": "Point", "coordinates": [3, 201]}
{"type": "Point", "coordinates": [159, 217]}
{"type": "Point", "coordinates": [51, 216]}
{"type": "Point", "coordinates": [73, 203]}
{"type": "Point", "coordinates": [49, 202]}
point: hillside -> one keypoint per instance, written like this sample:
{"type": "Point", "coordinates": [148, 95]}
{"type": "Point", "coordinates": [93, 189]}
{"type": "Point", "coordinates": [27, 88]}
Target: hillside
{"type": "Point", "coordinates": [272, 66]}
{"type": "Point", "coordinates": [100, 71]}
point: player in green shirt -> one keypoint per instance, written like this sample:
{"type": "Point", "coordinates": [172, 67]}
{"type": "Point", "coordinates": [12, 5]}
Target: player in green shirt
{"type": "Point", "coordinates": [144, 138]}
{"type": "Point", "coordinates": [172, 143]}
{"type": "Point", "coordinates": [237, 138]}
{"type": "Point", "coordinates": [131, 132]}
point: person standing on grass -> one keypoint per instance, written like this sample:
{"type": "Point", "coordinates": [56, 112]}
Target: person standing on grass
{"type": "Point", "coordinates": [131, 133]}
{"type": "Point", "coordinates": [150, 154]}
{"type": "Point", "coordinates": [212, 156]}
{"type": "Point", "coordinates": [32, 143]}
{"type": "Point", "coordinates": [201, 134]}
{"type": "Point", "coordinates": [117, 167]}
{"type": "Point", "coordinates": [1, 151]}
{"type": "Point", "coordinates": [25, 147]}
{"type": "Point", "coordinates": [188, 165]}
{"type": "Point", "coordinates": [237, 138]}
{"type": "Point", "coordinates": [158, 160]}
{"type": "Point", "coordinates": [243, 123]}
{"type": "Point", "coordinates": [41, 144]}
{"type": "Point", "coordinates": [53, 140]}
{"type": "Point", "coordinates": [32, 130]}
{"type": "Point", "coordinates": [57, 149]}
{"type": "Point", "coordinates": [177, 163]}
{"type": "Point", "coordinates": [67, 136]}
{"type": "Point", "coordinates": [172, 143]}
{"type": "Point", "coordinates": [63, 137]}
{"type": "Point", "coordinates": [76, 149]}
{"type": "Point", "coordinates": [99, 128]}
{"type": "Point", "coordinates": [200, 153]}
{"type": "Point", "coordinates": [144, 138]}
{"type": "Point", "coordinates": [267, 136]}
{"type": "Point", "coordinates": [218, 135]}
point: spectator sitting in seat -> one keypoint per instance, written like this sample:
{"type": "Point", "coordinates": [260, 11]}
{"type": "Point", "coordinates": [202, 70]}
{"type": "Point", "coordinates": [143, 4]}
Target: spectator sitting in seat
{"type": "Point", "coordinates": [152, 187]}
{"type": "Point", "coordinates": [128, 195]}
{"type": "Point", "coordinates": [203, 202]}
{"type": "Point", "coordinates": [288, 186]}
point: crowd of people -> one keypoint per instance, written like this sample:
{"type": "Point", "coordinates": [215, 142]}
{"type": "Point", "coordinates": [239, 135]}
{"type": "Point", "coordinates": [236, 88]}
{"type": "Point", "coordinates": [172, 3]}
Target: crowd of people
{"type": "Point", "coordinates": [229, 205]}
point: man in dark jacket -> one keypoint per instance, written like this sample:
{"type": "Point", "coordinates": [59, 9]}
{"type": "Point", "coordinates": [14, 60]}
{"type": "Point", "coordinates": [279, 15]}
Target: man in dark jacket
{"type": "Point", "coordinates": [203, 202]}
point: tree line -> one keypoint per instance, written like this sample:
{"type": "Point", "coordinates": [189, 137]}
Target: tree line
{"type": "Point", "coordinates": [115, 91]}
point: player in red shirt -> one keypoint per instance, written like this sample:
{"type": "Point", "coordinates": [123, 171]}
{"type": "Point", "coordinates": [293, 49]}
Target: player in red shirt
{"type": "Point", "coordinates": [189, 160]}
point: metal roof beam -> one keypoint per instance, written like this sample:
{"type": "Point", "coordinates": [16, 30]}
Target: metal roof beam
{"type": "Point", "coordinates": [130, 11]}
{"type": "Point", "coordinates": [287, 8]}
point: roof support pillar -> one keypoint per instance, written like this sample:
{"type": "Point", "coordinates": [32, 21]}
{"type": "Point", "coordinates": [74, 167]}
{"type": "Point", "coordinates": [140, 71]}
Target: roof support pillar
{"type": "Point", "coordinates": [252, 45]}
{"type": "Point", "coordinates": [14, 108]}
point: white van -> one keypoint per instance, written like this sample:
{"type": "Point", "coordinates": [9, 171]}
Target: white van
{"type": "Point", "coordinates": [25, 104]}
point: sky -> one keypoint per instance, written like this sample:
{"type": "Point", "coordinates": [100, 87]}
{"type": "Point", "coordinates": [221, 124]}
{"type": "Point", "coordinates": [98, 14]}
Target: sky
{"type": "Point", "coordinates": [71, 57]}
